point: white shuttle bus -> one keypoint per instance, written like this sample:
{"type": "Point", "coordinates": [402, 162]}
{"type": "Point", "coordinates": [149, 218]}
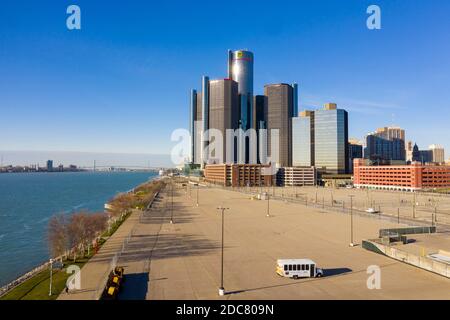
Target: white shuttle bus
{"type": "Point", "coordinates": [298, 268]}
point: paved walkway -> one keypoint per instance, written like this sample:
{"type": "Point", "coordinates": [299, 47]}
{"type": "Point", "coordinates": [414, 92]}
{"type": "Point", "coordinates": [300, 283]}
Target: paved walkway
{"type": "Point", "coordinates": [94, 273]}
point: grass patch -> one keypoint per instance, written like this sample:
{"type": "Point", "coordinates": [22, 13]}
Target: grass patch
{"type": "Point", "coordinates": [38, 287]}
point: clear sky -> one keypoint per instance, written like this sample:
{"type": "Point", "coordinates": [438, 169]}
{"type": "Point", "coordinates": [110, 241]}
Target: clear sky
{"type": "Point", "coordinates": [121, 83]}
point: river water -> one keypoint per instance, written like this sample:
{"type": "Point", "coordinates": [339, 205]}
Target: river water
{"type": "Point", "coordinates": [28, 200]}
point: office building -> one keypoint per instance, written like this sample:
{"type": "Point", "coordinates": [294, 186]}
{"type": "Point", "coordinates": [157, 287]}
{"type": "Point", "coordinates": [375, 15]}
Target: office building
{"type": "Point", "coordinates": [303, 139]}
{"type": "Point", "coordinates": [239, 175]}
{"type": "Point", "coordinates": [280, 102]}
{"type": "Point", "coordinates": [413, 177]}
{"type": "Point", "coordinates": [240, 69]}
{"type": "Point", "coordinates": [355, 151]}
{"type": "Point", "coordinates": [409, 151]}
{"type": "Point", "coordinates": [422, 156]}
{"type": "Point", "coordinates": [331, 140]}
{"type": "Point", "coordinates": [49, 165]}
{"type": "Point", "coordinates": [259, 122]}
{"type": "Point", "coordinates": [438, 153]}
{"type": "Point", "coordinates": [223, 115]}
{"type": "Point", "coordinates": [386, 143]}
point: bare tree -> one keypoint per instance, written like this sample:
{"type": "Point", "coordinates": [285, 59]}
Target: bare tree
{"type": "Point", "coordinates": [57, 235]}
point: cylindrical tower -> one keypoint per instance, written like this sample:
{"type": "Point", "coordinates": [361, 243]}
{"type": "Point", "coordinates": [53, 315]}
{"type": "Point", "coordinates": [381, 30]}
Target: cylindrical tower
{"type": "Point", "coordinates": [240, 68]}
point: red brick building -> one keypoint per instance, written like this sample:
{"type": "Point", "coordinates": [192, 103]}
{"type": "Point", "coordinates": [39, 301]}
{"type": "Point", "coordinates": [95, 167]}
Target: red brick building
{"type": "Point", "coordinates": [401, 177]}
{"type": "Point", "coordinates": [235, 175]}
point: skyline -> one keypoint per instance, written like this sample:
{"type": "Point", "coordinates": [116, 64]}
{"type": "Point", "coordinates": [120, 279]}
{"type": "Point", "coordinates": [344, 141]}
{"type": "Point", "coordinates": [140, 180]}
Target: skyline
{"type": "Point", "coordinates": [125, 88]}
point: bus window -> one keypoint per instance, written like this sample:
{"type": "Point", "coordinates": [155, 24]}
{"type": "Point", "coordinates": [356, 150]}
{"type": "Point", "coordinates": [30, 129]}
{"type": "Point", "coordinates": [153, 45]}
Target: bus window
{"type": "Point", "coordinates": [290, 267]}
{"type": "Point", "coordinates": [303, 267]}
{"type": "Point", "coordinates": [285, 267]}
{"type": "Point", "coordinates": [307, 267]}
{"type": "Point", "coordinates": [299, 267]}
{"type": "Point", "coordinates": [294, 267]}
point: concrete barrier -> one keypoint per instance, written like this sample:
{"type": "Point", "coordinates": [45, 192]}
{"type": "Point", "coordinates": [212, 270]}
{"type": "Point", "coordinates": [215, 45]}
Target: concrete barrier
{"type": "Point", "coordinates": [424, 263]}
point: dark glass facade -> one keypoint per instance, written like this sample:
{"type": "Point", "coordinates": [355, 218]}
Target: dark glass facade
{"type": "Point", "coordinates": [331, 141]}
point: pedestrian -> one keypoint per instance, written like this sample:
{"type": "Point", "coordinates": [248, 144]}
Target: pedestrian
{"type": "Point", "coordinates": [66, 289]}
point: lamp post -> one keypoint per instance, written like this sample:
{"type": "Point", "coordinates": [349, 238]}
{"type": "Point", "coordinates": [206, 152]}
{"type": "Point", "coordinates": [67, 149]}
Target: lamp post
{"type": "Point", "coordinates": [197, 195]}
{"type": "Point", "coordinates": [171, 209]}
{"type": "Point", "coordinates": [351, 221]}
{"type": "Point", "coordinates": [222, 289]}
{"type": "Point", "coordinates": [268, 206]}
{"type": "Point", "coordinates": [51, 278]}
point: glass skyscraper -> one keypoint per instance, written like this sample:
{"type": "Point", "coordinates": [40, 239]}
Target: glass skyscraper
{"type": "Point", "coordinates": [331, 140]}
{"type": "Point", "coordinates": [303, 139]}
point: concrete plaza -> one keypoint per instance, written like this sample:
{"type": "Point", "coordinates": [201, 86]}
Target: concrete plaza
{"type": "Point", "coordinates": [182, 260]}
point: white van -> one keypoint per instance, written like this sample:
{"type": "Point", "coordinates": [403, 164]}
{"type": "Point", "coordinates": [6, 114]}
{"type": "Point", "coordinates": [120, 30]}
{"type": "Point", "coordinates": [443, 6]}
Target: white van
{"type": "Point", "coordinates": [298, 268]}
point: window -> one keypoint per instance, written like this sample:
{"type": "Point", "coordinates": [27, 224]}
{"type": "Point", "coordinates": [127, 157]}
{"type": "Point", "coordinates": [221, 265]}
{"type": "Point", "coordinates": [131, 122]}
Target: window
{"type": "Point", "coordinates": [299, 267]}
{"type": "Point", "coordinates": [307, 267]}
{"type": "Point", "coordinates": [285, 267]}
{"type": "Point", "coordinates": [294, 267]}
{"type": "Point", "coordinates": [303, 267]}
{"type": "Point", "coordinates": [290, 267]}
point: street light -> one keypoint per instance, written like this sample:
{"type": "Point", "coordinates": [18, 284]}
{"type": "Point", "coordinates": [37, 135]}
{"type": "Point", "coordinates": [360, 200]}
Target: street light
{"type": "Point", "coordinates": [171, 212]}
{"type": "Point", "coordinates": [351, 221]}
{"type": "Point", "coordinates": [197, 195]}
{"type": "Point", "coordinates": [268, 212]}
{"type": "Point", "coordinates": [222, 289]}
{"type": "Point", "coordinates": [51, 277]}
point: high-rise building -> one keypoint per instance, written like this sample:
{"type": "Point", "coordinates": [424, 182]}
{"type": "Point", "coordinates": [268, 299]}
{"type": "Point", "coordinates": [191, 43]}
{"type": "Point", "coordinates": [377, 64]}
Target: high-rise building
{"type": "Point", "coordinates": [409, 151]}
{"type": "Point", "coordinates": [192, 120]}
{"type": "Point", "coordinates": [355, 151]}
{"type": "Point", "coordinates": [331, 140]}
{"type": "Point", "coordinates": [438, 153]}
{"type": "Point", "coordinates": [259, 122]}
{"type": "Point", "coordinates": [240, 69]}
{"type": "Point", "coordinates": [280, 101]}
{"type": "Point", "coordinates": [49, 165]}
{"type": "Point", "coordinates": [386, 143]}
{"type": "Point", "coordinates": [303, 139]}
{"type": "Point", "coordinates": [223, 114]}
{"type": "Point", "coordinates": [423, 156]}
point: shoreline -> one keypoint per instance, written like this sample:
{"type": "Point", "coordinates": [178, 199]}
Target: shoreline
{"type": "Point", "coordinates": [40, 267]}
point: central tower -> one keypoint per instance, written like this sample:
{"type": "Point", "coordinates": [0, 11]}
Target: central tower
{"type": "Point", "coordinates": [240, 69]}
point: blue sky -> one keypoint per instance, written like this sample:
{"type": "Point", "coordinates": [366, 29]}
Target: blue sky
{"type": "Point", "coordinates": [121, 83]}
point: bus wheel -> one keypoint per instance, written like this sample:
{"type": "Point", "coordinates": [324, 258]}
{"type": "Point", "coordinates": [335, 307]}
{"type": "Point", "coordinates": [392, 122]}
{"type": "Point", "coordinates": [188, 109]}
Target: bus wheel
{"type": "Point", "coordinates": [295, 277]}
{"type": "Point", "coordinates": [319, 275]}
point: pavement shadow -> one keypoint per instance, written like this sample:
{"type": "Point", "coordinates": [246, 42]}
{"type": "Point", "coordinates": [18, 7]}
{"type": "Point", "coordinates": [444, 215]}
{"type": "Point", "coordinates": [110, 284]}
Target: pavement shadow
{"type": "Point", "coordinates": [335, 271]}
{"type": "Point", "coordinates": [135, 287]}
